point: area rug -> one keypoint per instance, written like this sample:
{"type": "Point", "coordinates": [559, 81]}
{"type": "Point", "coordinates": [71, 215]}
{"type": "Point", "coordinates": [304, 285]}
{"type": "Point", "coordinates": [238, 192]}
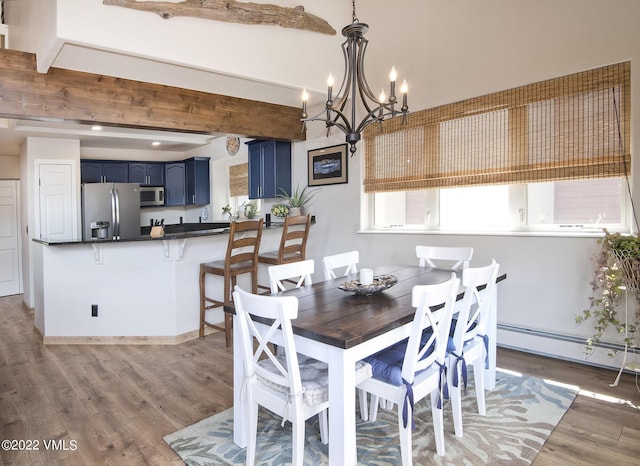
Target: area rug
{"type": "Point", "coordinates": [522, 411]}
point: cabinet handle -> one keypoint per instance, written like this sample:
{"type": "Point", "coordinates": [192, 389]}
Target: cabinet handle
{"type": "Point", "coordinates": [194, 199]}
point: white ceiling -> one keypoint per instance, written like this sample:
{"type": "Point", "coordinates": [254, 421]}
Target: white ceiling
{"type": "Point", "coordinates": [14, 132]}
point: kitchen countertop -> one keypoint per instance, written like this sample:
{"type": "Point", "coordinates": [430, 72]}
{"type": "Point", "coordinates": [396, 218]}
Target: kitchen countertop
{"type": "Point", "coordinates": [174, 231]}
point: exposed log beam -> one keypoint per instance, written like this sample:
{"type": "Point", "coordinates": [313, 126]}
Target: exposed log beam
{"type": "Point", "coordinates": [232, 11]}
{"type": "Point", "coordinates": [65, 95]}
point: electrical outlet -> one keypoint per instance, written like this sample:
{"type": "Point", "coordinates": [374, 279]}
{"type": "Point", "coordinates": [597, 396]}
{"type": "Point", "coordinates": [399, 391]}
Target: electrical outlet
{"type": "Point", "coordinates": [94, 310]}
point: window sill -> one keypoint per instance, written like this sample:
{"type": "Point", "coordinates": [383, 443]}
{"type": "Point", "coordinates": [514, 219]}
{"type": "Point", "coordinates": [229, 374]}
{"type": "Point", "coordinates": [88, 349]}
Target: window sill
{"type": "Point", "coordinates": [558, 234]}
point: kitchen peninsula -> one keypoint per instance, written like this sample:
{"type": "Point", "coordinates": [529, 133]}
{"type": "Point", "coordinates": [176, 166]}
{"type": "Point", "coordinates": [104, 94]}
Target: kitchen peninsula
{"type": "Point", "coordinates": [136, 291]}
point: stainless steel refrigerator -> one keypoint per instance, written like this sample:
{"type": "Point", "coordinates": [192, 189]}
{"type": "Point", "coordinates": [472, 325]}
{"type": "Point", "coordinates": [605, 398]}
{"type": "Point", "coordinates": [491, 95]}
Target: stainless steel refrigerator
{"type": "Point", "coordinates": [110, 211]}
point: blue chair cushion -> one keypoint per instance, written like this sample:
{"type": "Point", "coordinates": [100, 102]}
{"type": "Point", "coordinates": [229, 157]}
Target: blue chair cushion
{"type": "Point", "coordinates": [386, 365]}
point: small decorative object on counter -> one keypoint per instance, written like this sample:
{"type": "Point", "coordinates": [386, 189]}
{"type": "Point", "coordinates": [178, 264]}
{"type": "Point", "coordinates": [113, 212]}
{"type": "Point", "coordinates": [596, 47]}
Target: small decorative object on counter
{"type": "Point", "coordinates": [250, 210]}
{"type": "Point", "coordinates": [279, 210]}
{"type": "Point", "coordinates": [157, 230]}
{"type": "Point", "coordinates": [226, 210]}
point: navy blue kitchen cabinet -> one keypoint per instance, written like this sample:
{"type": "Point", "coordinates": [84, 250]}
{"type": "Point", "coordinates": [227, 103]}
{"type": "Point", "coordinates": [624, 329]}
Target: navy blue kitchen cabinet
{"type": "Point", "coordinates": [174, 184]}
{"type": "Point", "coordinates": [103, 171]}
{"type": "Point", "coordinates": [197, 181]}
{"type": "Point", "coordinates": [269, 168]}
{"type": "Point", "coordinates": [146, 173]}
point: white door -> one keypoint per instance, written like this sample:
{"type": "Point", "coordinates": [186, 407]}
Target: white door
{"type": "Point", "coordinates": [10, 276]}
{"type": "Point", "coordinates": [56, 202]}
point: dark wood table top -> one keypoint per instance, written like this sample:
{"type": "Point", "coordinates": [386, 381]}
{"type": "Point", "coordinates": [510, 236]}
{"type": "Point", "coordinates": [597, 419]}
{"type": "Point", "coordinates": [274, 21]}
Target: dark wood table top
{"type": "Point", "coordinates": [338, 318]}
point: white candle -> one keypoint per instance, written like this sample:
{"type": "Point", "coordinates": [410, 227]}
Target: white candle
{"type": "Point", "coordinates": [366, 276]}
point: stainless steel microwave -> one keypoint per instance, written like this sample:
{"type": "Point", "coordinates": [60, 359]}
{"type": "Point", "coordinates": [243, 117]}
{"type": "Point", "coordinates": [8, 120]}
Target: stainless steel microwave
{"type": "Point", "coordinates": [151, 196]}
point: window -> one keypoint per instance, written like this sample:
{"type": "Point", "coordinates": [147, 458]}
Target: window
{"type": "Point", "coordinates": [527, 158]}
{"type": "Point", "coordinates": [560, 206]}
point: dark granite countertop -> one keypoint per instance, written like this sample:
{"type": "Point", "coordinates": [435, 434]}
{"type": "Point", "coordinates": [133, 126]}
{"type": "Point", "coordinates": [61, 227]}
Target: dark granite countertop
{"type": "Point", "coordinates": [175, 231]}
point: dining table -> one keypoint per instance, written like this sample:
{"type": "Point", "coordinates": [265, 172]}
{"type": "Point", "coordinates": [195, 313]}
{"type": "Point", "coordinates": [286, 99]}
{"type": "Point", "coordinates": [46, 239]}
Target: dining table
{"type": "Point", "coordinates": [342, 327]}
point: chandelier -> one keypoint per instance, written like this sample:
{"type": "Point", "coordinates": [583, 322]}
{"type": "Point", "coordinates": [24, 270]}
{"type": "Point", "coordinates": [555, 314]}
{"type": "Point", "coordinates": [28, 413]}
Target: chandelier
{"type": "Point", "coordinates": [354, 84]}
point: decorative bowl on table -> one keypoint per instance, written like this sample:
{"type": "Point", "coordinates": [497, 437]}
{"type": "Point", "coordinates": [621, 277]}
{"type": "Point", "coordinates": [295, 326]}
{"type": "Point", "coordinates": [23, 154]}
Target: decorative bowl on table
{"type": "Point", "coordinates": [380, 283]}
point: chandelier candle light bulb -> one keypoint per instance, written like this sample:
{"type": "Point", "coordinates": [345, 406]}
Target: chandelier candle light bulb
{"type": "Point", "coordinates": [404, 89]}
{"type": "Point", "coordinates": [393, 75]}
{"type": "Point", "coordinates": [305, 97]}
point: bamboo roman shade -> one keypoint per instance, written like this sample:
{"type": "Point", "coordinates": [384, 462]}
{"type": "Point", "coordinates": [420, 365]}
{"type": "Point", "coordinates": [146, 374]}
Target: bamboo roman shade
{"type": "Point", "coordinates": [572, 127]}
{"type": "Point", "coordinates": [239, 180]}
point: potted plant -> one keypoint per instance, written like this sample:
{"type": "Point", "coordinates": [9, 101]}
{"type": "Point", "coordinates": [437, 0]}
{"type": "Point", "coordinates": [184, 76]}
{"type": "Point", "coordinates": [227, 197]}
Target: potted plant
{"type": "Point", "coordinates": [226, 210]}
{"type": "Point", "coordinates": [298, 199]}
{"type": "Point", "coordinates": [250, 210]}
{"type": "Point", "coordinates": [617, 271]}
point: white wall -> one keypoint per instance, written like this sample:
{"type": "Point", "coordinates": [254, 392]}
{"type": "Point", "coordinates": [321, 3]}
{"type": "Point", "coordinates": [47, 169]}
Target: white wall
{"type": "Point", "coordinates": [31, 150]}
{"type": "Point", "coordinates": [9, 168]}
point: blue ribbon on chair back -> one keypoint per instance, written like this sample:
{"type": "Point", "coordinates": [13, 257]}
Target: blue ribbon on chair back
{"type": "Point", "coordinates": [485, 339]}
{"type": "Point", "coordinates": [408, 401]}
{"type": "Point", "coordinates": [443, 387]}
{"type": "Point", "coordinates": [456, 381]}
{"type": "Point", "coordinates": [408, 396]}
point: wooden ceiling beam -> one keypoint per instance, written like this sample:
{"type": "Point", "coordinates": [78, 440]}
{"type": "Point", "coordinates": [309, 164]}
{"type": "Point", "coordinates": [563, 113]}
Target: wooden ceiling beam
{"type": "Point", "coordinates": [73, 96]}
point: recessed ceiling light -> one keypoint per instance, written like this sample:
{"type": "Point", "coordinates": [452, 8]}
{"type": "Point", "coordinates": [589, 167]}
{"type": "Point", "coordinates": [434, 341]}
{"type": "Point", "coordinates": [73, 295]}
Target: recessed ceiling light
{"type": "Point", "coordinates": [155, 143]}
{"type": "Point", "coordinates": [96, 128]}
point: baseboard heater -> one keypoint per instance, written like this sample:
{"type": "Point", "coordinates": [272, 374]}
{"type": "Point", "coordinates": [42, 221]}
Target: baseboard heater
{"type": "Point", "coordinates": [564, 337]}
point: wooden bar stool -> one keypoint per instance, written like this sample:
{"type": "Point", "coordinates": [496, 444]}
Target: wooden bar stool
{"type": "Point", "coordinates": [293, 243]}
{"type": "Point", "coordinates": [241, 258]}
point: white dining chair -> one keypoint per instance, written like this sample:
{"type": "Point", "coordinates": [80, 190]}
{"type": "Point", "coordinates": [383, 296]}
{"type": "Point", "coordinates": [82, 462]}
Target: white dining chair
{"type": "Point", "coordinates": [410, 370]}
{"type": "Point", "coordinates": [452, 258]}
{"type": "Point", "coordinates": [298, 273]}
{"type": "Point", "coordinates": [301, 272]}
{"type": "Point", "coordinates": [290, 385]}
{"type": "Point", "coordinates": [468, 345]}
{"type": "Point", "coordinates": [347, 262]}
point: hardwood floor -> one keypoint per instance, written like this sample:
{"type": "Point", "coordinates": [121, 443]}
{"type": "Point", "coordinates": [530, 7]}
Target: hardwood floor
{"type": "Point", "coordinates": [113, 404]}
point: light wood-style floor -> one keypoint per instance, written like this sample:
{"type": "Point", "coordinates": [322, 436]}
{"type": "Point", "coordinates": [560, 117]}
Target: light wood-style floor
{"type": "Point", "coordinates": [113, 404]}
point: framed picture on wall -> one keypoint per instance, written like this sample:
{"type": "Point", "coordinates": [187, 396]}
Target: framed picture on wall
{"type": "Point", "coordinates": [328, 165]}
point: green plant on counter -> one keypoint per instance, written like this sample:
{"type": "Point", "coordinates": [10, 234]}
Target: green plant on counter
{"type": "Point", "coordinates": [617, 267]}
{"type": "Point", "coordinates": [226, 210]}
{"type": "Point", "coordinates": [297, 198]}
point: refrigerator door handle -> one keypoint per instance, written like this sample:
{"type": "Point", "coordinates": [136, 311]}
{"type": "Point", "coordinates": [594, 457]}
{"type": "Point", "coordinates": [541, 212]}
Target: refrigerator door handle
{"type": "Point", "coordinates": [115, 213]}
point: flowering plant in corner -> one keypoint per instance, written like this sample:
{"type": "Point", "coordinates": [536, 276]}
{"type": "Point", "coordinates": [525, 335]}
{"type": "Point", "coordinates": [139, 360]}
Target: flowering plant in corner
{"type": "Point", "coordinates": [617, 270]}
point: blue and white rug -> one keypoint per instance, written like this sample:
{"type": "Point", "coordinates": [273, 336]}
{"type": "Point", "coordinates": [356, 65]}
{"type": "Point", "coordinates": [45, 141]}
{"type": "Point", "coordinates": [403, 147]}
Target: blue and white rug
{"type": "Point", "coordinates": [522, 411]}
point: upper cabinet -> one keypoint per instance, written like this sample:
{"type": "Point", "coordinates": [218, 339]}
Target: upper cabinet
{"type": "Point", "coordinates": [104, 171]}
{"type": "Point", "coordinates": [269, 168]}
{"type": "Point", "coordinates": [174, 187]}
{"type": "Point", "coordinates": [197, 181]}
{"type": "Point", "coordinates": [146, 173]}
{"type": "Point", "coordinates": [187, 182]}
